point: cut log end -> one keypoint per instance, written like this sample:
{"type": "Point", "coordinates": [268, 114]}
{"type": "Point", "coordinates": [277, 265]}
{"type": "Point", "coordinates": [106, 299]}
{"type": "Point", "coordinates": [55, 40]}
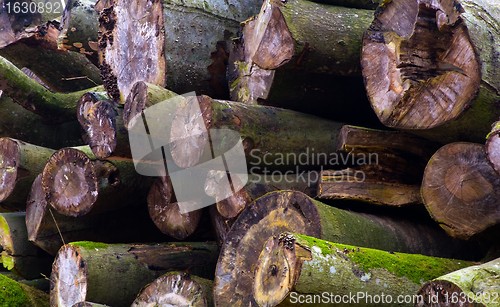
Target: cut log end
{"type": "Point", "coordinates": [441, 293]}
{"type": "Point", "coordinates": [261, 220]}
{"type": "Point", "coordinates": [172, 289]}
{"type": "Point", "coordinates": [136, 102]}
{"type": "Point", "coordinates": [69, 181]}
{"type": "Point", "coordinates": [68, 277]}
{"type": "Point", "coordinates": [9, 161]}
{"type": "Point", "coordinates": [461, 190]}
{"type": "Point", "coordinates": [493, 147]}
{"type": "Point", "coordinates": [35, 206]}
{"type": "Point", "coordinates": [165, 211]}
{"type": "Point", "coordinates": [430, 72]}
{"type": "Point", "coordinates": [101, 130]}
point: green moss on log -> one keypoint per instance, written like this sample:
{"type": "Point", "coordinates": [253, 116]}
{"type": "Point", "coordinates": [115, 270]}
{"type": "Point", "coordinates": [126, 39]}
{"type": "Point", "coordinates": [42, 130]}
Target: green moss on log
{"type": "Point", "coordinates": [15, 294]}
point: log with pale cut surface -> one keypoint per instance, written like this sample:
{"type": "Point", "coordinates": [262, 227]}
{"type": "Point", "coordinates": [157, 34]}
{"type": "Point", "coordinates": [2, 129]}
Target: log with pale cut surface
{"type": "Point", "coordinates": [472, 286]}
{"type": "Point", "coordinates": [81, 269]}
{"type": "Point", "coordinates": [493, 146]}
{"type": "Point", "coordinates": [76, 183]}
{"type": "Point", "coordinates": [131, 44]}
{"type": "Point", "coordinates": [165, 212]}
{"type": "Point", "coordinates": [461, 190]}
{"type": "Point", "coordinates": [282, 211]}
{"type": "Point", "coordinates": [283, 40]}
{"type": "Point", "coordinates": [17, 253]}
{"type": "Point", "coordinates": [431, 66]}
{"type": "Point", "coordinates": [20, 163]}
{"type": "Point", "coordinates": [294, 262]}
{"type": "Point", "coordinates": [176, 289]}
{"type": "Point", "coordinates": [49, 230]}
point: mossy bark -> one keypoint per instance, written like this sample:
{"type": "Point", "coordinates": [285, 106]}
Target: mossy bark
{"type": "Point", "coordinates": [20, 163]}
{"type": "Point", "coordinates": [472, 286]}
{"type": "Point", "coordinates": [53, 107]}
{"type": "Point", "coordinates": [18, 254]}
{"type": "Point", "coordinates": [17, 294]}
{"type": "Point", "coordinates": [450, 91]}
{"type": "Point", "coordinates": [124, 269]}
{"type": "Point", "coordinates": [282, 211]}
{"type": "Point", "coordinates": [307, 265]}
{"type": "Point", "coordinates": [293, 37]}
{"type": "Point", "coordinates": [176, 289]}
{"type": "Point", "coordinates": [461, 190]}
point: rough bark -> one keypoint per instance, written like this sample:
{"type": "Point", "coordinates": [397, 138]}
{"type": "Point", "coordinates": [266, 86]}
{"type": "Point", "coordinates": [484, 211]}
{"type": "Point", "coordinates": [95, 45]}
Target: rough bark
{"type": "Point", "coordinates": [461, 190]}
{"type": "Point", "coordinates": [295, 262]}
{"type": "Point", "coordinates": [176, 289]}
{"type": "Point", "coordinates": [165, 212]}
{"type": "Point", "coordinates": [20, 163]}
{"type": "Point", "coordinates": [472, 286]}
{"type": "Point", "coordinates": [282, 211]}
{"type": "Point", "coordinates": [18, 254]}
{"type": "Point", "coordinates": [82, 268]}
{"type": "Point", "coordinates": [76, 183]}
{"type": "Point", "coordinates": [22, 124]}
{"type": "Point", "coordinates": [79, 27]}
{"type": "Point", "coordinates": [102, 122]}
{"type": "Point", "coordinates": [294, 37]}
{"type": "Point", "coordinates": [50, 230]}
{"type": "Point", "coordinates": [18, 294]}
{"type": "Point", "coordinates": [53, 107]}
{"type": "Point", "coordinates": [493, 146]}
{"type": "Point", "coordinates": [440, 72]}
{"type": "Point", "coordinates": [131, 44]}
{"type": "Point", "coordinates": [267, 134]}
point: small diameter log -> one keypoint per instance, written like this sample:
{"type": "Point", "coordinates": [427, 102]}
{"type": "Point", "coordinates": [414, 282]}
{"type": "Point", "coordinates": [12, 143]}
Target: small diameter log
{"type": "Point", "coordinates": [131, 44]}
{"type": "Point", "coordinates": [493, 146]}
{"type": "Point", "coordinates": [53, 107]}
{"type": "Point", "coordinates": [472, 286]}
{"type": "Point", "coordinates": [390, 172]}
{"type": "Point", "coordinates": [50, 230]}
{"type": "Point", "coordinates": [282, 211]}
{"type": "Point", "coordinates": [75, 183]}
{"type": "Point", "coordinates": [20, 163]}
{"type": "Point", "coordinates": [461, 190]}
{"type": "Point", "coordinates": [102, 122]}
{"type": "Point", "coordinates": [439, 72]}
{"type": "Point", "coordinates": [18, 254]}
{"type": "Point", "coordinates": [165, 212]}
{"type": "Point", "coordinates": [17, 294]}
{"type": "Point", "coordinates": [269, 134]}
{"type": "Point", "coordinates": [176, 289]}
{"type": "Point", "coordinates": [293, 37]}
{"type": "Point", "coordinates": [79, 27]}
{"type": "Point", "coordinates": [295, 262]}
{"type": "Point", "coordinates": [81, 269]}
{"type": "Point", "coordinates": [22, 124]}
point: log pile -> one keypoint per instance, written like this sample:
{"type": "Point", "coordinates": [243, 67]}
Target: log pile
{"type": "Point", "coordinates": [327, 146]}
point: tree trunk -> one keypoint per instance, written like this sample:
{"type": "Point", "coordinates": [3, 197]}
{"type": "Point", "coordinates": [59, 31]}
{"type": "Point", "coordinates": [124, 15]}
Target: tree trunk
{"type": "Point", "coordinates": [20, 163]}
{"type": "Point", "coordinates": [22, 124]}
{"type": "Point", "coordinates": [53, 107]}
{"type": "Point", "coordinates": [18, 294]}
{"type": "Point", "coordinates": [281, 211]}
{"type": "Point", "coordinates": [306, 265]}
{"type": "Point", "coordinates": [79, 27]}
{"type": "Point", "coordinates": [176, 289]}
{"type": "Point", "coordinates": [294, 37]}
{"type": "Point", "coordinates": [18, 254]}
{"type": "Point", "coordinates": [76, 184]}
{"type": "Point", "coordinates": [82, 268]}
{"type": "Point", "coordinates": [473, 286]}
{"type": "Point", "coordinates": [50, 230]}
{"type": "Point", "coordinates": [441, 74]}
{"type": "Point", "coordinates": [165, 212]}
{"type": "Point", "coordinates": [131, 44]}
{"type": "Point", "coordinates": [269, 134]}
{"type": "Point", "coordinates": [493, 146]}
{"type": "Point", "coordinates": [461, 190]}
